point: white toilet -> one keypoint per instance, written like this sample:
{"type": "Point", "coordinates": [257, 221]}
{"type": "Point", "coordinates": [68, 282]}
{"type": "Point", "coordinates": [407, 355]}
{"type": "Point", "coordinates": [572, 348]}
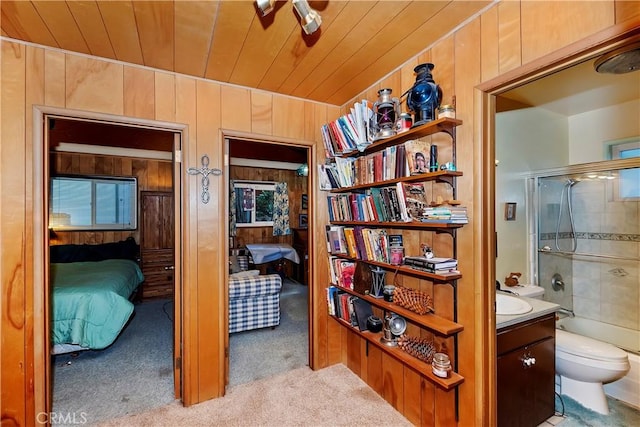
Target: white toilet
{"type": "Point", "coordinates": [584, 365]}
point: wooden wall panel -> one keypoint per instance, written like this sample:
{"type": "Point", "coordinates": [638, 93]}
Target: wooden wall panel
{"type": "Point", "coordinates": [139, 92]}
{"type": "Point", "coordinates": [467, 77]}
{"type": "Point", "coordinates": [77, 82]}
{"type": "Point", "coordinates": [509, 43]}
{"type": "Point", "coordinates": [212, 269]}
{"type": "Point", "coordinates": [548, 26]}
{"type": "Point", "coordinates": [165, 97]}
{"type": "Point", "coordinates": [627, 10]}
{"type": "Point", "coordinates": [261, 112]}
{"type": "Point", "coordinates": [94, 85]}
{"type": "Point", "coordinates": [490, 50]}
{"type": "Point", "coordinates": [14, 381]}
{"type": "Point", "coordinates": [236, 113]}
{"type": "Point", "coordinates": [34, 94]}
{"type": "Point", "coordinates": [54, 79]}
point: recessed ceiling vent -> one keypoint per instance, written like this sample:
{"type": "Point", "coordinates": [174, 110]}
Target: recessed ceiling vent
{"type": "Point", "coordinates": [619, 61]}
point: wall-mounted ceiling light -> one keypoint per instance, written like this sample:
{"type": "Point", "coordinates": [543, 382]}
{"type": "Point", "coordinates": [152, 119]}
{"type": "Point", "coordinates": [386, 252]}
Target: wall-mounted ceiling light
{"type": "Point", "coordinates": [303, 170]}
{"type": "Point", "coordinates": [311, 19]}
{"type": "Point", "coordinates": [265, 6]}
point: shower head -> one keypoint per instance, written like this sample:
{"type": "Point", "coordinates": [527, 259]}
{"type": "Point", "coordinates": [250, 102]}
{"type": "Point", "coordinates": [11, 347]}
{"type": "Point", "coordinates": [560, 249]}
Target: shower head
{"type": "Point", "coordinates": [619, 61]}
{"type": "Point", "coordinates": [571, 182]}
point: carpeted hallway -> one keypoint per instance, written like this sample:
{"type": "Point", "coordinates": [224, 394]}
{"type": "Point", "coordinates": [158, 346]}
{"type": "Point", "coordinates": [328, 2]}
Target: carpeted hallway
{"type": "Point", "coordinates": [135, 374]}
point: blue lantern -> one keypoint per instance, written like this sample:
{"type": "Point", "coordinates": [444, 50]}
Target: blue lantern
{"type": "Point", "coordinates": [424, 96]}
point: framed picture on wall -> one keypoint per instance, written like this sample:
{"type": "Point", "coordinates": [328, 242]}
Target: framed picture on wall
{"type": "Point", "coordinates": [304, 202]}
{"type": "Point", "coordinates": [510, 211]}
{"type": "Point", "coordinates": [303, 221]}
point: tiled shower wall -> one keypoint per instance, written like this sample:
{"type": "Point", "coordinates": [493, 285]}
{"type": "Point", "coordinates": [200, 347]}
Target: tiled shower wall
{"type": "Point", "coordinates": [597, 288]}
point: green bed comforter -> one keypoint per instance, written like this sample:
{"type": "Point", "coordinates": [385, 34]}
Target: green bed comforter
{"type": "Point", "coordinates": [90, 301]}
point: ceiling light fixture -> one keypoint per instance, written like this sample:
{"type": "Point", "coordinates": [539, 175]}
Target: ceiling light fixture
{"type": "Point", "coordinates": [303, 170]}
{"type": "Point", "coordinates": [311, 19]}
{"type": "Point", "coordinates": [265, 6]}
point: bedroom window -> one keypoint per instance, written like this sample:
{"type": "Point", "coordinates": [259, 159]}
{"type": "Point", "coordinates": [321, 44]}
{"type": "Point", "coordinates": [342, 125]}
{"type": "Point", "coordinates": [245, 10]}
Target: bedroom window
{"type": "Point", "coordinates": [254, 203]}
{"type": "Point", "coordinates": [93, 203]}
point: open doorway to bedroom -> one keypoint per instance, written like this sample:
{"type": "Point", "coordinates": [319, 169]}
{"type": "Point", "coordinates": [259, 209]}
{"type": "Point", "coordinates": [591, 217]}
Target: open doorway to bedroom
{"type": "Point", "coordinates": [113, 250]}
{"type": "Point", "coordinates": [269, 209]}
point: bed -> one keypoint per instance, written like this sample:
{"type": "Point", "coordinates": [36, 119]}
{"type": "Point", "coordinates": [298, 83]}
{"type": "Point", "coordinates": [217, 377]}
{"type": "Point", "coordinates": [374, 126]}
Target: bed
{"type": "Point", "coordinates": [91, 287]}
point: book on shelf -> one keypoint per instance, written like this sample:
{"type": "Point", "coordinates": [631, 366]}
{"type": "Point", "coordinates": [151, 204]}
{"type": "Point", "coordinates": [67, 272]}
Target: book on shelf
{"type": "Point", "coordinates": [336, 241]}
{"type": "Point", "coordinates": [417, 153]}
{"type": "Point", "coordinates": [349, 308]}
{"type": "Point", "coordinates": [396, 240]}
{"type": "Point", "coordinates": [416, 200]}
{"type": "Point", "coordinates": [431, 264]}
{"type": "Point", "coordinates": [349, 132]}
{"type": "Point", "coordinates": [362, 311]}
{"type": "Point", "coordinates": [446, 214]}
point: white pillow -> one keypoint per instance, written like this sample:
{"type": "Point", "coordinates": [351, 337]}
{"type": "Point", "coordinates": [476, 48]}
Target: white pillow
{"type": "Point", "coordinates": [248, 273]}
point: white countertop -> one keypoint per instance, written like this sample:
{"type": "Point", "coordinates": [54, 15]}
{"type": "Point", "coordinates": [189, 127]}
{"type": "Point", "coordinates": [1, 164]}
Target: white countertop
{"type": "Point", "coordinates": [539, 308]}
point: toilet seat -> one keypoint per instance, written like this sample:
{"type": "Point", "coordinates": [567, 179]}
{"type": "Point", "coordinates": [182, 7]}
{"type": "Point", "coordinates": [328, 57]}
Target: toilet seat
{"type": "Point", "coordinates": [589, 348]}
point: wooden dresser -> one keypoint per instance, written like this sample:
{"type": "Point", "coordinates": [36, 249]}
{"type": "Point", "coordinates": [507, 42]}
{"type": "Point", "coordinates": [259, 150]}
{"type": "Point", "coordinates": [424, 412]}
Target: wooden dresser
{"type": "Point", "coordinates": [157, 244]}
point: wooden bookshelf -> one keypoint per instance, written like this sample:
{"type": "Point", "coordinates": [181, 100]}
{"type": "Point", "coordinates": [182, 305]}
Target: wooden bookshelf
{"type": "Point", "coordinates": [430, 321]}
{"type": "Point", "coordinates": [399, 224]}
{"type": "Point", "coordinates": [406, 269]}
{"type": "Point", "coordinates": [439, 176]}
{"type": "Point", "coordinates": [446, 125]}
{"type": "Point", "coordinates": [423, 368]}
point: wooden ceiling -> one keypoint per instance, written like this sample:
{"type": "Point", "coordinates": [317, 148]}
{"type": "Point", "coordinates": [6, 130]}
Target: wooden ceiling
{"type": "Point", "coordinates": [359, 42]}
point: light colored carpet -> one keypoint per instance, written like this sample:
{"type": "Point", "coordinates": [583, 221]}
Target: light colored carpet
{"type": "Point", "coordinates": [333, 396]}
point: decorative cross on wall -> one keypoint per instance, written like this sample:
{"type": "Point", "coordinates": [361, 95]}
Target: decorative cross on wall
{"type": "Point", "coordinates": [205, 172]}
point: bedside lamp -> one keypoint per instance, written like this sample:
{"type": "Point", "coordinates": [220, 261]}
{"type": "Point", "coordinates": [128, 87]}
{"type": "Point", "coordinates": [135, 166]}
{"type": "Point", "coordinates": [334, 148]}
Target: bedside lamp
{"type": "Point", "coordinates": [424, 96]}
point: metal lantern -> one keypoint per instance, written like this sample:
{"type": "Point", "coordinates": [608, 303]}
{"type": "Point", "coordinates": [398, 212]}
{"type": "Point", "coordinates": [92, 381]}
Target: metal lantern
{"type": "Point", "coordinates": [387, 112]}
{"type": "Point", "coordinates": [377, 282]}
{"type": "Point", "coordinates": [424, 96]}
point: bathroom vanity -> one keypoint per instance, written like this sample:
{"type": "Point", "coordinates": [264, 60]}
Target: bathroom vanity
{"type": "Point", "coordinates": [526, 365]}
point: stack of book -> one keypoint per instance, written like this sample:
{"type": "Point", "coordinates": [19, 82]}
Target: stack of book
{"type": "Point", "coordinates": [446, 214]}
{"type": "Point", "coordinates": [350, 132]}
{"type": "Point", "coordinates": [349, 308]}
{"type": "Point", "coordinates": [433, 265]}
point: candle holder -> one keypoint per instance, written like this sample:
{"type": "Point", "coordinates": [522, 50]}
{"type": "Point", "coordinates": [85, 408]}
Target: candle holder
{"type": "Point", "coordinates": [377, 282]}
{"type": "Point", "coordinates": [424, 96]}
{"type": "Point", "coordinates": [387, 112]}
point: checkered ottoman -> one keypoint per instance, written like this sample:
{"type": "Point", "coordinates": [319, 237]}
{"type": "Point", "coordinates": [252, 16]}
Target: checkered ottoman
{"type": "Point", "coordinates": [254, 302]}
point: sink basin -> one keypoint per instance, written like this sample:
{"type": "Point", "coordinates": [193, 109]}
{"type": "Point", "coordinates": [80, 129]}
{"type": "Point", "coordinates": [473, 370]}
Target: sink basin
{"type": "Point", "coordinates": [508, 305]}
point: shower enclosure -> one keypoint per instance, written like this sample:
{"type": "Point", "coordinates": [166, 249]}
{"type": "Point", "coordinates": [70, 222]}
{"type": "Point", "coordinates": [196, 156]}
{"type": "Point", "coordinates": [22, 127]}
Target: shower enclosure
{"type": "Point", "coordinates": [585, 246]}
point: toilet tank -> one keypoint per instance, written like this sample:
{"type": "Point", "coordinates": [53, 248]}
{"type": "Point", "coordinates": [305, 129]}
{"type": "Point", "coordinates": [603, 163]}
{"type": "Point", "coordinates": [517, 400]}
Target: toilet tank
{"type": "Point", "coordinates": [529, 291]}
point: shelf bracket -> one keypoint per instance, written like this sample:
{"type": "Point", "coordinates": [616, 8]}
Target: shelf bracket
{"type": "Point", "coordinates": [449, 231]}
{"type": "Point", "coordinates": [446, 179]}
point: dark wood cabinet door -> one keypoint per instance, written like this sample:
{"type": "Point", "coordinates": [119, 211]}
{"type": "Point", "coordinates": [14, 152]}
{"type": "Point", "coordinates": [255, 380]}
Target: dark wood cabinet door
{"type": "Point", "coordinates": [526, 385]}
{"type": "Point", "coordinates": [157, 220]}
{"type": "Point", "coordinates": [157, 243]}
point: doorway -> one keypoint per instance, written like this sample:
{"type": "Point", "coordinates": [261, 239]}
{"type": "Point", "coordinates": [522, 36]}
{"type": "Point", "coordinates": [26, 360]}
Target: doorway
{"type": "Point", "coordinates": [115, 146]}
{"type": "Point", "coordinates": [253, 165]}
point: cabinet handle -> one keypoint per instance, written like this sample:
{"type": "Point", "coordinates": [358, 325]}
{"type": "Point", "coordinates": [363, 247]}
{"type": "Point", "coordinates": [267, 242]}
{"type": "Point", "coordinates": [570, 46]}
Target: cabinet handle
{"type": "Point", "coordinates": [528, 361]}
{"type": "Point", "coordinates": [171, 267]}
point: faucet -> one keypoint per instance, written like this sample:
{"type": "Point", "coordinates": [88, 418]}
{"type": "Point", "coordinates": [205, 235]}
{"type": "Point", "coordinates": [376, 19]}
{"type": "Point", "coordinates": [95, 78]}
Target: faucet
{"type": "Point", "coordinates": [498, 288]}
